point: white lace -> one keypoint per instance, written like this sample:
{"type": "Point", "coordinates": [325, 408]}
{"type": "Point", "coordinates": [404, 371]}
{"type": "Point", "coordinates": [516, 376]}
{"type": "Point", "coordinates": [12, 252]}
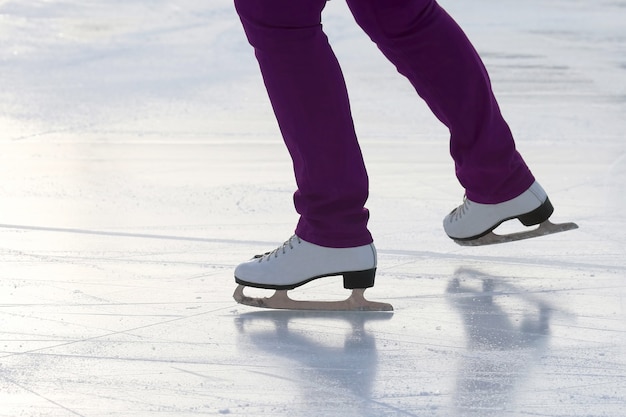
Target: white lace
{"type": "Point", "coordinates": [289, 244]}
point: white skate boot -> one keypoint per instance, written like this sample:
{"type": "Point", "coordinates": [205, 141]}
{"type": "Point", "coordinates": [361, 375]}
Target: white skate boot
{"type": "Point", "coordinates": [297, 262]}
{"type": "Point", "coordinates": [472, 224]}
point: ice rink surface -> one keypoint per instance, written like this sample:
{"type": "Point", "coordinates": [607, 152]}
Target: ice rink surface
{"type": "Point", "coordinates": [140, 162]}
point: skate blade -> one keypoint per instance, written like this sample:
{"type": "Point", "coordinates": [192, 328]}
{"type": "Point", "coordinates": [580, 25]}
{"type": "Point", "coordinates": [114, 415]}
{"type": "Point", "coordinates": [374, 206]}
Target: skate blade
{"type": "Point", "coordinates": [545, 228]}
{"type": "Point", "coordinates": [280, 300]}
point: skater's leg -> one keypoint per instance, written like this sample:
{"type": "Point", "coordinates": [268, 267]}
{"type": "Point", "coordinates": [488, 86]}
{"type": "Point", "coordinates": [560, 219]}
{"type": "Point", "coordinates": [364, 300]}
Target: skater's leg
{"type": "Point", "coordinates": [429, 48]}
{"type": "Point", "coordinates": [309, 97]}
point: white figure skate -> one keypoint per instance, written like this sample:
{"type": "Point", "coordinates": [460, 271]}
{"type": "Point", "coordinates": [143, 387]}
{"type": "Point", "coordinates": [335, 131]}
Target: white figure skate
{"type": "Point", "coordinates": [472, 224]}
{"type": "Point", "coordinates": [297, 262]}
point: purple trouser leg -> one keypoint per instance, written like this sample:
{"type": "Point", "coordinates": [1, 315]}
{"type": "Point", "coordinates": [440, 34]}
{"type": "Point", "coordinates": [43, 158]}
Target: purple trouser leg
{"type": "Point", "coordinates": [430, 49]}
{"type": "Point", "coordinates": [309, 98]}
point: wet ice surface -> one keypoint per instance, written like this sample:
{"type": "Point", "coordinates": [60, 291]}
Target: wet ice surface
{"type": "Point", "coordinates": [140, 163]}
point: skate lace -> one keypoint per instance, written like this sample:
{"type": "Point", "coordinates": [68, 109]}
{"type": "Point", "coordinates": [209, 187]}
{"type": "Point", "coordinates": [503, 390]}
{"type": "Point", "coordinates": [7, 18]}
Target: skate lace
{"type": "Point", "coordinates": [287, 245]}
{"type": "Point", "coordinates": [461, 210]}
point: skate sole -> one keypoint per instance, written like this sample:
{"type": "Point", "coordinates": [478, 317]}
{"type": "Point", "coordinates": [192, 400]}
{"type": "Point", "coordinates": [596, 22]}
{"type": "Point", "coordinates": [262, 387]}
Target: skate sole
{"type": "Point", "coordinates": [280, 300]}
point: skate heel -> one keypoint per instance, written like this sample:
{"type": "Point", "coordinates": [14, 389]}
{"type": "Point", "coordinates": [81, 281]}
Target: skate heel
{"type": "Point", "coordinates": [538, 215]}
{"type": "Point", "coordinates": [359, 279]}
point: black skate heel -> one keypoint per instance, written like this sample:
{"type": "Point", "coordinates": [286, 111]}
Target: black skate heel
{"type": "Point", "coordinates": [538, 215]}
{"type": "Point", "coordinates": [359, 279]}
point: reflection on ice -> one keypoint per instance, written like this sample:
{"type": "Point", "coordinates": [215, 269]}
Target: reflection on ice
{"type": "Point", "coordinates": [501, 350]}
{"type": "Point", "coordinates": [339, 370]}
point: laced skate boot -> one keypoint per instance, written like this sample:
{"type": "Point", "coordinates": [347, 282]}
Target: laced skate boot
{"type": "Point", "coordinates": [471, 220]}
{"type": "Point", "coordinates": [297, 262]}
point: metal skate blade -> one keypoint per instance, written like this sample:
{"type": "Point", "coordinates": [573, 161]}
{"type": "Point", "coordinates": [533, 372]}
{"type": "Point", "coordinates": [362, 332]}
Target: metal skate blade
{"type": "Point", "coordinates": [545, 228]}
{"type": "Point", "coordinates": [280, 300]}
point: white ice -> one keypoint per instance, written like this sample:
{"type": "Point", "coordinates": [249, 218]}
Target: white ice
{"type": "Point", "coordinates": [140, 162]}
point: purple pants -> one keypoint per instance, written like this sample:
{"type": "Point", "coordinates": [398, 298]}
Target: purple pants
{"type": "Point", "coordinates": [308, 94]}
